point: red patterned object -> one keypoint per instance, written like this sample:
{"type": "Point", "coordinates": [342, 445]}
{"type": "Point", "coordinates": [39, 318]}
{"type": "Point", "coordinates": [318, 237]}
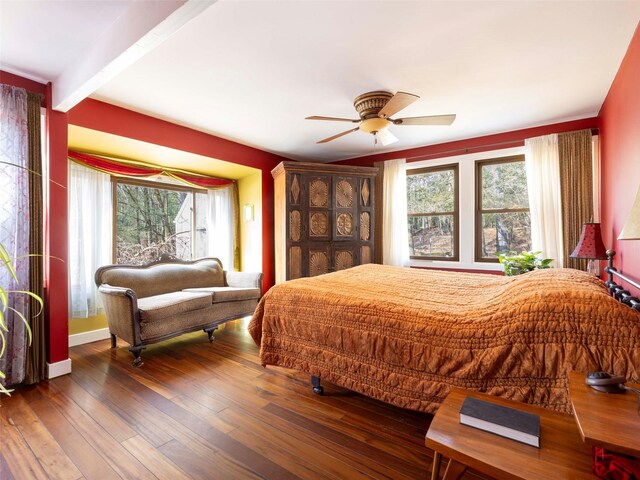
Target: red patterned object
{"type": "Point", "coordinates": [590, 245]}
{"type": "Point", "coordinates": [615, 466]}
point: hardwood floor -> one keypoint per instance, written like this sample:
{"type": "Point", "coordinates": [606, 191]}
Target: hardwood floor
{"type": "Point", "coordinates": [202, 411]}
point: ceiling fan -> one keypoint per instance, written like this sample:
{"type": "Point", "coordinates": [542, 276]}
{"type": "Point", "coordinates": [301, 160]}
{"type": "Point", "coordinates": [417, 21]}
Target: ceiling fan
{"type": "Point", "coordinates": [375, 110]}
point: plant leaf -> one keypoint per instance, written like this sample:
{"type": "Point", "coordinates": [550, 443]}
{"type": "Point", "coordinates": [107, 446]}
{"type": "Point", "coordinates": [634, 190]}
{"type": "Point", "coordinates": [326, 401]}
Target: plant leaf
{"type": "Point", "coordinates": [4, 345]}
{"type": "Point", "coordinates": [6, 260]}
{"type": "Point", "coordinates": [39, 255]}
{"type": "Point", "coordinates": [32, 171]}
{"type": "Point", "coordinates": [4, 298]}
{"type": "Point", "coordinates": [2, 387]}
{"type": "Point", "coordinates": [32, 295]}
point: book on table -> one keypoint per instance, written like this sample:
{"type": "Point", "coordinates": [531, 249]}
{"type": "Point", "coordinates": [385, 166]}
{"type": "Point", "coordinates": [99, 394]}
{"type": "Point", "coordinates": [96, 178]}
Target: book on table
{"type": "Point", "coordinates": [504, 421]}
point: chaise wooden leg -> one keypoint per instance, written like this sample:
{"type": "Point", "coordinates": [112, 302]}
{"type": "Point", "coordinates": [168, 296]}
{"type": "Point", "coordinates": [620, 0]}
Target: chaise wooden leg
{"type": "Point", "coordinates": [210, 332]}
{"type": "Point", "coordinates": [137, 353]}
{"type": "Point", "coordinates": [317, 388]}
{"type": "Point", "coordinates": [114, 343]}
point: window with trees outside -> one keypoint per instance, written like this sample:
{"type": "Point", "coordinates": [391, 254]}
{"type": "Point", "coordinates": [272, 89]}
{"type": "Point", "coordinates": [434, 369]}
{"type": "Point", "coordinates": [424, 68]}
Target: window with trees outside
{"type": "Point", "coordinates": [152, 218]}
{"type": "Point", "coordinates": [503, 222]}
{"type": "Point", "coordinates": [432, 209]}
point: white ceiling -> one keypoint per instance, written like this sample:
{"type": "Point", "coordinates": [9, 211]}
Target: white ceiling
{"type": "Point", "coordinates": [41, 39]}
{"type": "Point", "coordinates": [250, 71]}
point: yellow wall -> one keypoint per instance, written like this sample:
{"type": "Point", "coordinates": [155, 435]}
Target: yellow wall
{"type": "Point", "coordinates": [81, 325]}
{"type": "Point", "coordinates": [250, 193]}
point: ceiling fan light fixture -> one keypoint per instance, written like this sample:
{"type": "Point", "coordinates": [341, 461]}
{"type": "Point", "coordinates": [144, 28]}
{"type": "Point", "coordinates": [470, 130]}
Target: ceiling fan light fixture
{"type": "Point", "coordinates": [371, 125]}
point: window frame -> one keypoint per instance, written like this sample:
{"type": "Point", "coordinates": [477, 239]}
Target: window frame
{"type": "Point", "coordinates": [478, 206]}
{"type": "Point", "coordinates": [456, 212]}
{"type": "Point", "coordinates": [116, 180]}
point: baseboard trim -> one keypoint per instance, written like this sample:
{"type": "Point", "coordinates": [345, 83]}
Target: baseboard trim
{"type": "Point", "coordinates": [88, 337]}
{"type": "Point", "coordinates": [59, 368]}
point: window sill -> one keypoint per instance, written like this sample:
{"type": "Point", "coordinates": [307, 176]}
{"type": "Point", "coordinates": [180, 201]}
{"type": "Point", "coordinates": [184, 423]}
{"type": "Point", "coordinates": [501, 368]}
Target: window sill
{"type": "Point", "coordinates": [444, 265]}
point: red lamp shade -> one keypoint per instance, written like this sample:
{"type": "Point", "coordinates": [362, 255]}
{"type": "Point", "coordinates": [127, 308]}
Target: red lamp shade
{"type": "Point", "coordinates": [590, 244]}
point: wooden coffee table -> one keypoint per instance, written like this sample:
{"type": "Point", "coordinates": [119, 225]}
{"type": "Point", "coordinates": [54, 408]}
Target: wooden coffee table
{"type": "Point", "coordinates": [562, 453]}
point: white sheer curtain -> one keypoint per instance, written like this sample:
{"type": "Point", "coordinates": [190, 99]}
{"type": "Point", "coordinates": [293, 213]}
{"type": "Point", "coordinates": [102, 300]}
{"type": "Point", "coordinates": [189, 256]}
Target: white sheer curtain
{"type": "Point", "coordinates": [395, 231]}
{"type": "Point", "coordinates": [220, 215]}
{"type": "Point", "coordinates": [14, 224]}
{"type": "Point", "coordinates": [90, 234]}
{"type": "Point", "coordinates": [543, 182]}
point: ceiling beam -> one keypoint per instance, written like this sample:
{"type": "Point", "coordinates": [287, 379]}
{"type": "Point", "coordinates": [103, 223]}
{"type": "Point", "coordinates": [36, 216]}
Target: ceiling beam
{"type": "Point", "coordinates": [142, 27]}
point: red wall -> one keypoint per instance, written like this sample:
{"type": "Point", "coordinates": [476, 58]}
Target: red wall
{"type": "Point", "coordinates": [620, 154]}
{"type": "Point", "coordinates": [497, 141]}
{"type": "Point", "coordinates": [57, 240]}
{"type": "Point", "coordinates": [21, 82]}
{"type": "Point", "coordinates": [56, 314]}
{"type": "Point", "coordinates": [126, 123]}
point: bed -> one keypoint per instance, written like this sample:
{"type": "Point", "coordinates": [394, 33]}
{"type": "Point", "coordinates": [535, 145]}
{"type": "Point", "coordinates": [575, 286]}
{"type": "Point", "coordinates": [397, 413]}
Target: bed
{"type": "Point", "coordinates": [408, 336]}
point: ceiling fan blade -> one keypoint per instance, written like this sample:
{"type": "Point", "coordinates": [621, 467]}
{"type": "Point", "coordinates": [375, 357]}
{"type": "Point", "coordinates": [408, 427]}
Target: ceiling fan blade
{"type": "Point", "coordinates": [338, 135]}
{"type": "Point", "coordinates": [386, 137]}
{"type": "Point", "coordinates": [431, 120]}
{"type": "Point", "coordinates": [335, 119]}
{"type": "Point", "coordinates": [399, 101]}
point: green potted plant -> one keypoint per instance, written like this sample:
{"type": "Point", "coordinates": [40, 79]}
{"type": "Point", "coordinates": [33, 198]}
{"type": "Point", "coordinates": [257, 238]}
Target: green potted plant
{"type": "Point", "coordinates": [516, 264]}
{"type": "Point", "coordinates": [5, 292]}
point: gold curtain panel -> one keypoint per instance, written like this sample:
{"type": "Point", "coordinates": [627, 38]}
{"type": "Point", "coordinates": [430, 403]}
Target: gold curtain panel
{"type": "Point", "coordinates": [576, 190]}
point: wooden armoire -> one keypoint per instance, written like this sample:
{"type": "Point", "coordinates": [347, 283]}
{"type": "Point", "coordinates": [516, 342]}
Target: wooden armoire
{"type": "Point", "coordinates": [324, 218]}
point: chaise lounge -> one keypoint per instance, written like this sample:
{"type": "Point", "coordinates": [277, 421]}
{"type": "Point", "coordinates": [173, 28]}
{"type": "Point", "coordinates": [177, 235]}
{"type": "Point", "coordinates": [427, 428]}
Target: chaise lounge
{"type": "Point", "coordinates": [149, 303]}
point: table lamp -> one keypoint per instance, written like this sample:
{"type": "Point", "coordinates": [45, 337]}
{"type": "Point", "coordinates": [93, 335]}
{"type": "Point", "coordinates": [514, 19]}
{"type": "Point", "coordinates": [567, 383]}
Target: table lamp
{"type": "Point", "coordinates": [590, 246]}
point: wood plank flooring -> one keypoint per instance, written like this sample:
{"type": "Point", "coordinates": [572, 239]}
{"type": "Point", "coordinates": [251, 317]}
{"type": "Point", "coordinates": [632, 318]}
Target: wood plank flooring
{"type": "Point", "coordinates": [196, 410]}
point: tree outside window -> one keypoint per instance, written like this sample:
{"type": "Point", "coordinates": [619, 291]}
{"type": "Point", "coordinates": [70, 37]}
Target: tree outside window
{"type": "Point", "coordinates": [154, 219]}
{"type": "Point", "coordinates": [503, 222]}
{"type": "Point", "coordinates": [432, 206]}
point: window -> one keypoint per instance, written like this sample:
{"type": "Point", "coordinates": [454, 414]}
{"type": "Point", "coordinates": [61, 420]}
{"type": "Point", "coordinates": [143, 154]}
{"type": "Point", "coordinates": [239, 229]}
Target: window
{"type": "Point", "coordinates": [432, 209]}
{"type": "Point", "coordinates": [155, 218]}
{"type": "Point", "coordinates": [502, 208]}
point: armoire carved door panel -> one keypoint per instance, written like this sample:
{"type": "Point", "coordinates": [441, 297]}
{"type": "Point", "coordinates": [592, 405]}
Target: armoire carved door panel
{"type": "Point", "coordinates": [345, 207]}
{"type": "Point", "coordinates": [366, 254]}
{"type": "Point", "coordinates": [364, 230]}
{"type": "Point", "coordinates": [366, 218]}
{"type": "Point", "coordinates": [295, 226]}
{"type": "Point", "coordinates": [318, 259]}
{"type": "Point", "coordinates": [344, 256]}
{"type": "Point", "coordinates": [318, 207]}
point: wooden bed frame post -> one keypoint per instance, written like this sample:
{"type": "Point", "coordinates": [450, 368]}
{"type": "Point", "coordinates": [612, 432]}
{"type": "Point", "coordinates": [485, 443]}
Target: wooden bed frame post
{"type": "Point", "coordinates": [317, 388]}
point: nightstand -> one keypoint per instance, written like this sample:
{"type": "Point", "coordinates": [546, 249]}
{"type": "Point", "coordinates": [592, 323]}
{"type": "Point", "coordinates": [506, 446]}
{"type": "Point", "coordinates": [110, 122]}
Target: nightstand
{"type": "Point", "coordinates": [608, 420]}
{"type": "Point", "coordinates": [562, 453]}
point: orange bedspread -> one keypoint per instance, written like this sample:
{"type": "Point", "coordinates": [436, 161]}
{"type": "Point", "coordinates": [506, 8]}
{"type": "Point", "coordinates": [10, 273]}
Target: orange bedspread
{"type": "Point", "coordinates": [407, 336]}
